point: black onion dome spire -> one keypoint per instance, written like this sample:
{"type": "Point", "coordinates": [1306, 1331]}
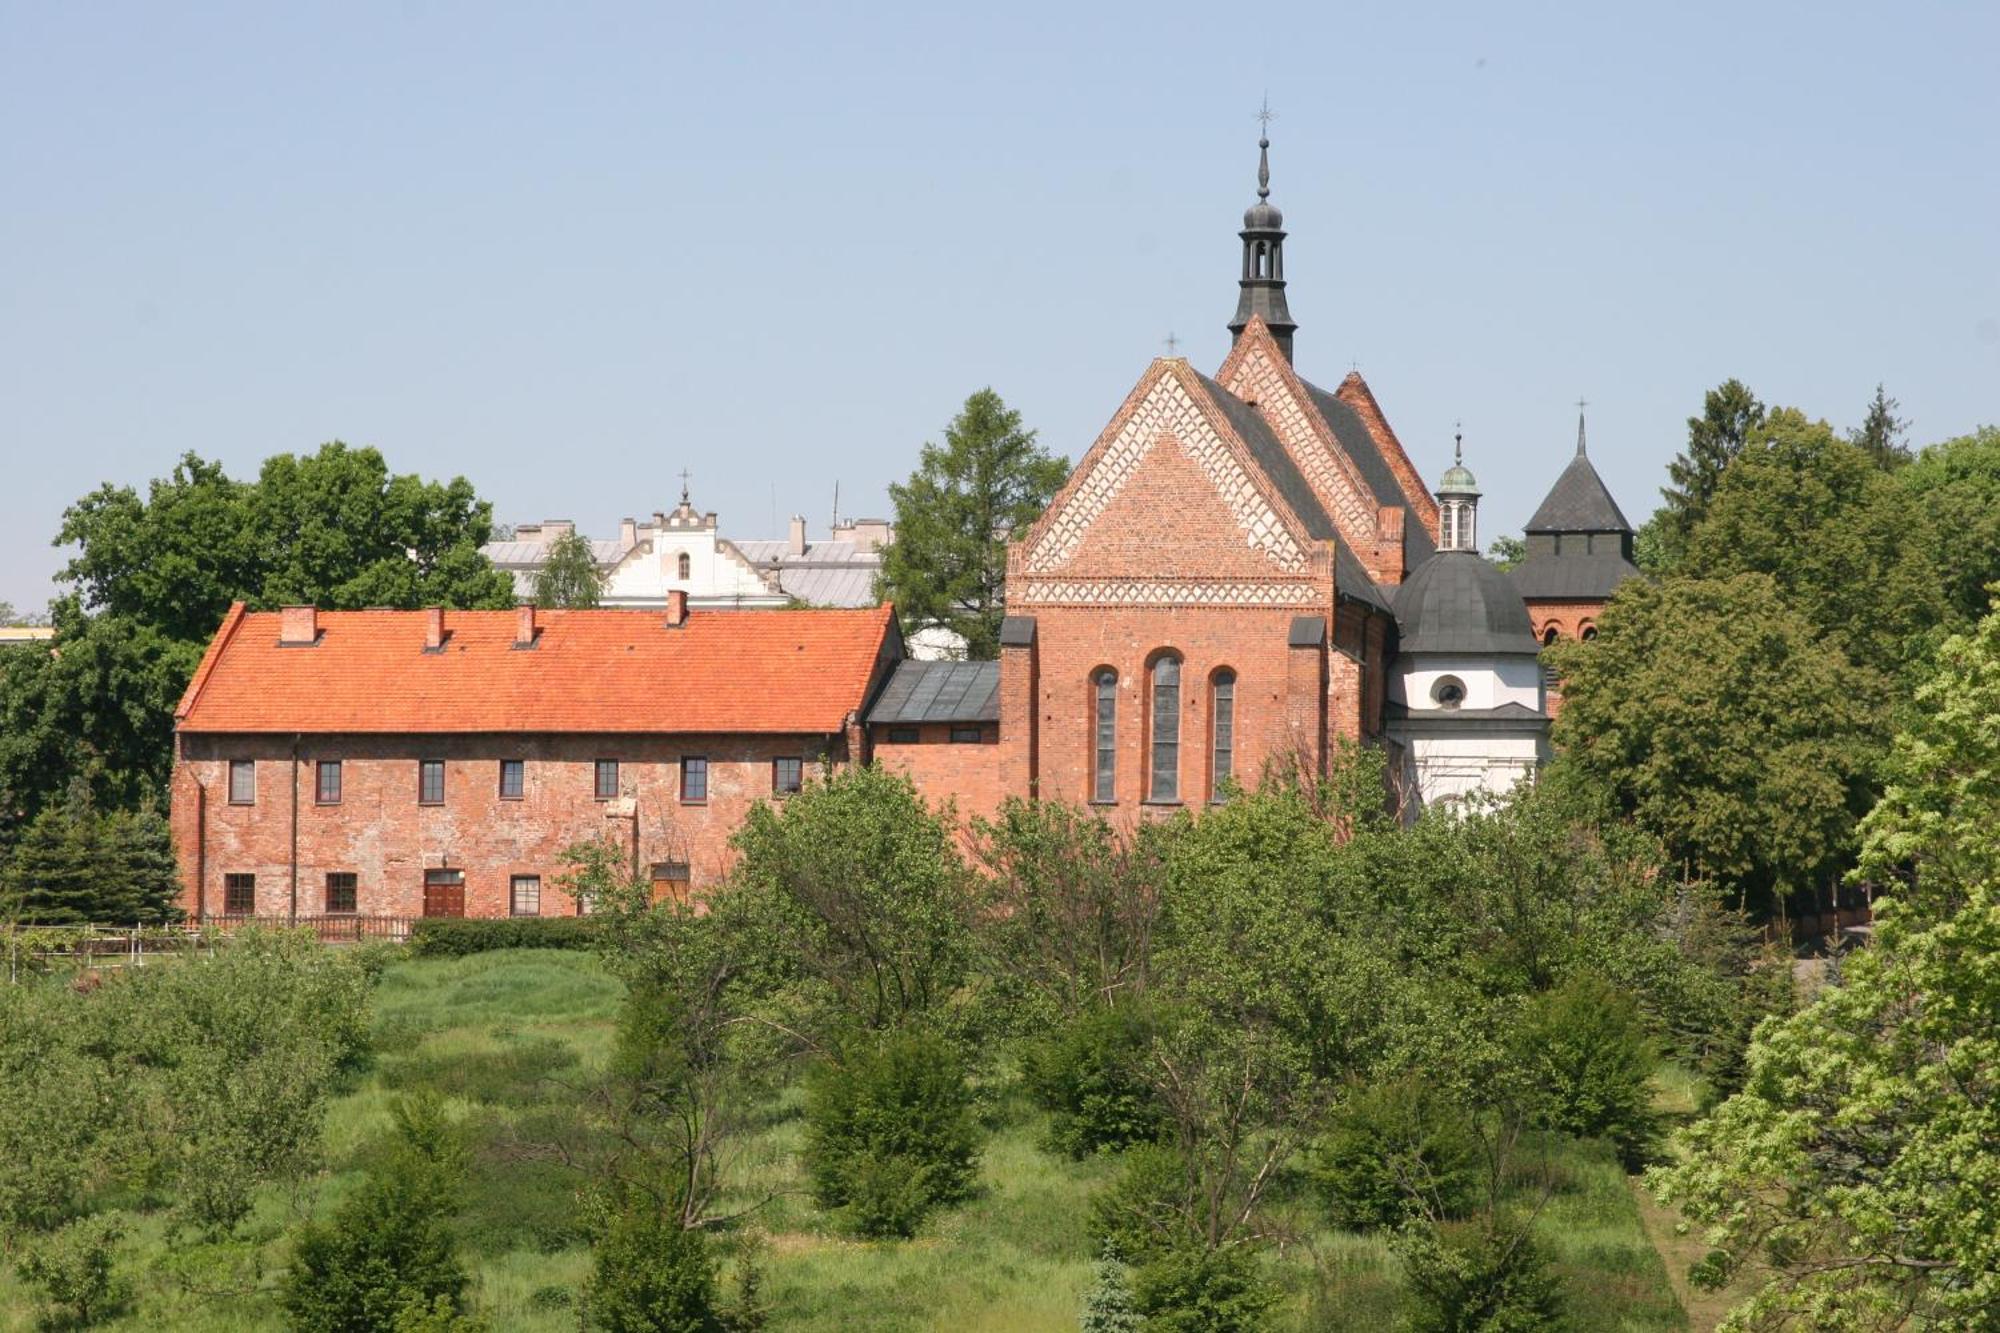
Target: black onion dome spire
{"type": "Point", "coordinates": [1263, 282]}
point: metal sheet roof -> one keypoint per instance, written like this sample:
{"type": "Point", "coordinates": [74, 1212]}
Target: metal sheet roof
{"type": "Point", "coordinates": [939, 692]}
{"type": "Point", "coordinates": [1576, 577]}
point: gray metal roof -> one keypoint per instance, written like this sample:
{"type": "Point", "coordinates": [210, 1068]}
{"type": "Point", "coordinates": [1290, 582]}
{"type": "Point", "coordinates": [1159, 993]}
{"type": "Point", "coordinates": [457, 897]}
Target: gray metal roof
{"type": "Point", "coordinates": [1359, 445]}
{"type": "Point", "coordinates": [1586, 578]}
{"type": "Point", "coordinates": [939, 692]}
{"type": "Point", "coordinates": [1277, 463]}
{"type": "Point", "coordinates": [1579, 502]}
{"type": "Point", "coordinates": [1457, 602]}
{"type": "Point", "coordinates": [828, 574]}
{"type": "Point", "coordinates": [1509, 717]}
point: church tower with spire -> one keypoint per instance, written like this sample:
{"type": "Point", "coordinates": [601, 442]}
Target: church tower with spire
{"type": "Point", "coordinates": [1262, 285]}
{"type": "Point", "coordinates": [1579, 549]}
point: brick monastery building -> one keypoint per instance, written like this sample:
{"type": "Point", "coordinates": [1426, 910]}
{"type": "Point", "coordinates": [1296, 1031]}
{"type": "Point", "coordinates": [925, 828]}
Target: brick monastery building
{"type": "Point", "coordinates": [1244, 570]}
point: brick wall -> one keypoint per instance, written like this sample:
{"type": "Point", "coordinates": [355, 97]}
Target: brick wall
{"type": "Point", "coordinates": [381, 833]}
{"type": "Point", "coordinates": [965, 772]}
{"type": "Point", "coordinates": [1569, 620]}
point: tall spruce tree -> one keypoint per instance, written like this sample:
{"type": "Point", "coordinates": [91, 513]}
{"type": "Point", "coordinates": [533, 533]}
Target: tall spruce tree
{"type": "Point", "coordinates": [1730, 413]}
{"type": "Point", "coordinates": [1881, 433]}
{"type": "Point", "coordinates": [53, 877]}
{"type": "Point", "coordinates": [948, 565]}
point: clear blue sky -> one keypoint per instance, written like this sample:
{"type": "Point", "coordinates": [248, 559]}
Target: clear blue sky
{"type": "Point", "coordinates": [568, 250]}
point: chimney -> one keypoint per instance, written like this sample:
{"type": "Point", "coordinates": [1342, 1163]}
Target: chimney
{"type": "Point", "coordinates": [870, 534]}
{"type": "Point", "coordinates": [299, 626]}
{"type": "Point", "coordinates": [434, 629]}
{"type": "Point", "coordinates": [798, 535]}
{"type": "Point", "coordinates": [677, 608]}
{"type": "Point", "coordinates": [524, 625]}
{"type": "Point", "coordinates": [553, 528]}
{"type": "Point", "coordinates": [628, 533]}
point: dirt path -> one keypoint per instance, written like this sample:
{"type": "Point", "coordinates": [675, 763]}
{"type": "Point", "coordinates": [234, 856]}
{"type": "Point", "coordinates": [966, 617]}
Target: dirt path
{"type": "Point", "coordinates": [1680, 1252]}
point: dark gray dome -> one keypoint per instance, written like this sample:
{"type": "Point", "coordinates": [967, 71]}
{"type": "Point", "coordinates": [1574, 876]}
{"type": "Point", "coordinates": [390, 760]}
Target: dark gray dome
{"type": "Point", "coordinates": [1263, 216]}
{"type": "Point", "coordinates": [1456, 602]}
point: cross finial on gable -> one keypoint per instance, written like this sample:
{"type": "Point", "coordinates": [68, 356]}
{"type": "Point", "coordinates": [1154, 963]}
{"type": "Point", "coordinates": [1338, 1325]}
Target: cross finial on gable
{"type": "Point", "coordinates": [684, 485]}
{"type": "Point", "coordinates": [1172, 343]}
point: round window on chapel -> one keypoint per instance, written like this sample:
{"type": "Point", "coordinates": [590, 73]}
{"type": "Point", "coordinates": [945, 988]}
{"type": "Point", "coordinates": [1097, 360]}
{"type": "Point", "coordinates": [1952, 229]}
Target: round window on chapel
{"type": "Point", "coordinates": [1448, 692]}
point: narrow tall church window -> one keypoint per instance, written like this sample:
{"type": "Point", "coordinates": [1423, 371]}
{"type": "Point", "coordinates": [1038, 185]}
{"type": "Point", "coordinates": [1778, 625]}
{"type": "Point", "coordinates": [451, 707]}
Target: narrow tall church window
{"type": "Point", "coordinates": [684, 564]}
{"type": "Point", "coordinates": [1104, 771]}
{"type": "Point", "coordinates": [1165, 782]}
{"type": "Point", "coordinates": [1222, 732]}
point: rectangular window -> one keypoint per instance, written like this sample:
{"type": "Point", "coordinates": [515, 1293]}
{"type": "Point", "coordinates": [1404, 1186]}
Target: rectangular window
{"type": "Point", "coordinates": [694, 780]}
{"type": "Point", "coordinates": [513, 779]}
{"type": "Point", "coordinates": [340, 891]}
{"type": "Point", "coordinates": [1222, 712]}
{"type": "Point", "coordinates": [525, 897]}
{"type": "Point", "coordinates": [444, 893]}
{"type": "Point", "coordinates": [1166, 719]}
{"type": "Point", "coordinates": [787, 776]}
{"type": "Point", "coordinates": [239, 895]}
{"type": "Point", "coordinates": [967, 735]}
{"type": "Point", "coordinates": [242, 782]}
{"type": "Point", "coordinates": [902, 735]}
{"type": "Point", "coordinates": [430, 782]}
{"type": "Point", "coordinates": [1104, 789]}
{"type": "Point", "coordinates": [607, 779]}
{"type": "Point", "coordinates": [327, 790]}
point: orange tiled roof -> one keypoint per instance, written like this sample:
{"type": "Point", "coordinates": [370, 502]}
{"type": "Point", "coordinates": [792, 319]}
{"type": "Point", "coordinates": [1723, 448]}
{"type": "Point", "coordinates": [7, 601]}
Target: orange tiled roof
{"type": "Point", "coordinates": [590, 671]}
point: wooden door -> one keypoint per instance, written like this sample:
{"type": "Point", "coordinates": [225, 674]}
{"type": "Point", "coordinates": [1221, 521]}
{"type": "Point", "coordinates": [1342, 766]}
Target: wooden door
{"type": "Point", "coordinates": [444, 893]}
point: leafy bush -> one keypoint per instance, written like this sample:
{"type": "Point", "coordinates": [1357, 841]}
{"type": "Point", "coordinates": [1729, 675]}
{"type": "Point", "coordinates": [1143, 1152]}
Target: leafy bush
{"type": "Point", "coordinates": [1087, 1076]}
{"type": "Point", "coordinates": [1586, 1053]}
{"type": "Point", "coordinates": [1139, 1212]}
{"type": "Point", "coordinates": [1188, 1289]}
{"type": "Point", "coordinates": [652, 1274]}
{"type": "Point", "coordinates": [455, 937]}
{"type": "Point", "coordinates": [389, 1246]}
{"type": "Point", "coordinates": [76, 1270]}
{"type": "Point", "coordinates": [1397, 1149]}
{"type": "Point", "coordinates": [890, 1134]}
{"type": "Point", "coordinates": [1478, 1280]}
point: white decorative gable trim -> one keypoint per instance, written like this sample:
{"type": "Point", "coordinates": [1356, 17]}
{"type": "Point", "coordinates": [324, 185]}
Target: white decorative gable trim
{"type": "Point", "coordinates": [1168, 411]}
{"type": "Point", "coordinates": [1166, 592]}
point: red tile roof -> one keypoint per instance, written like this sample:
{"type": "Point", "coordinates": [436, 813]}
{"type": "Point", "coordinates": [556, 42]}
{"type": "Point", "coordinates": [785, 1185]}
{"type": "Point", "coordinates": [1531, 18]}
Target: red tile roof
{"type": "Point", "coordinates": [590, 671]}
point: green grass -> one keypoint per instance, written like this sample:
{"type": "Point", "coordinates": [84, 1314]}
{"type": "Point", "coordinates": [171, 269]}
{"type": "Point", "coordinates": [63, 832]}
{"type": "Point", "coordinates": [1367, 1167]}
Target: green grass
{"type": "Point", "coordinates": [510, 1037]}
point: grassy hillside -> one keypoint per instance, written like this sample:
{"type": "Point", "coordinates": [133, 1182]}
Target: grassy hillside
{"type": "Point", "coordinates": [512, 1037]}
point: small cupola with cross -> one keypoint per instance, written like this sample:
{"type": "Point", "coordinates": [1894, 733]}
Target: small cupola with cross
{"type": "Point", "coordinates": [1262, 286]}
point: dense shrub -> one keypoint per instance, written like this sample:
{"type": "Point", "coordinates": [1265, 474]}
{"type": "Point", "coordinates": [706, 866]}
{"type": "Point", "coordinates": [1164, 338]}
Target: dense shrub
{"type": "Point", "coordinates": [76, 1271]}
{"type": "Point", "coordinates": [1089, 1077]}
{"type": "Point", "coordinates": [389, 1246]}
{"type": "Point", "coordinates": [1585, 1051]}
{"type": "Point", "coordinates": [651, 1274]}
{"type": "Point", "coordinates": [455, 937]}
{"type": "Point", "coordinates": [1397, 1149]}
{"type": "Point", "coordinates": [1140, 1212]}
{"type": "Point", "coordinates": [1189, 1289]}
{"type": "Point", "coordinates": [1478, 1280]}
{"type": "Point", "coordinates": [890, 1132]}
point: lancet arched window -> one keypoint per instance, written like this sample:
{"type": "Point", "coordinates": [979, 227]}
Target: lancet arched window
{"type": "Point", "coordinates": [1163, 781]}
{"type": "Point", "coordinates": [1104, 735]}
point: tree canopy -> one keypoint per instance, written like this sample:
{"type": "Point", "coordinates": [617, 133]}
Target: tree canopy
{"type": "Point", "coordinates": [1727, 725]}
{"type": "Point", "coordinates": [1730, 414]}
{"type": "Point", "coordinates": [569, 576]}
{"type": "Point", "coordinates": [954, 516]}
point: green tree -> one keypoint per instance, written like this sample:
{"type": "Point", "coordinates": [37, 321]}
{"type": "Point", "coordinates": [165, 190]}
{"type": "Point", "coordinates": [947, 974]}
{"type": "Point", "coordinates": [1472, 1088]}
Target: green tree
{"type": "Point", "coordinates": [649, 1273]}
{"type": "Point", "coordinates": [389, 1246]}
{"type": "Point", "coordinates": [1957, 484]}
{"type": "Point", "coordinates": [570, 576]}
{"type": "Point", "coordinates": [1507, 551]}
{"type": "Point", "coordinates": [52, 876]}
{"type": "Point", "coordinates": [1730, 415]}
{"type": "Point", "coordinates": [1849, 548]}
{"type": "Point", "coordinates": [889, 1131]}
{"type": "Point", "coordinates": [955, 515]}
{"type": "Point", "coordinates": [1108, 1306]}
{"type": "Point", "coordinates": [1720, 720]}
{"type": "Point", "coordinates": [1935, 824]}
{"type": "Point", "coordinates": [1856, 1174]}
{"type": "Point", "coordinates": [76, 1269]}
{"type": "Point", "coordinates": [1881, 432]}
{"type": "Point", "coordinates": [1585, 1049]}
{"type": "Point", "coordinates": [858, 900]}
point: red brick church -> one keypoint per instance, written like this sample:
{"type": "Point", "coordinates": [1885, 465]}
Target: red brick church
{"type": "Point", "coordinates": [1243, 570]}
